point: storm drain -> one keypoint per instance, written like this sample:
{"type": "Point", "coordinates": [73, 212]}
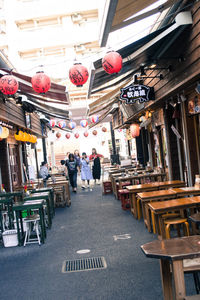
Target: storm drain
{"type": "Point", "coordinates": [85, 264]}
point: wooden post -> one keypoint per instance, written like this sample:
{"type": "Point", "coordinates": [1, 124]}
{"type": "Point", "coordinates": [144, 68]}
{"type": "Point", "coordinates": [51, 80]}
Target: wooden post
{"type": "Point", "coordinates": [166, 279]}
{"type": "Point", "coordinates": [179, 280]}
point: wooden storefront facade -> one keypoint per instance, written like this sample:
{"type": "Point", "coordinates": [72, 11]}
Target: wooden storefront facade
{"type": "Point", "coordinates": [13, 160]}
{"type": "Point", "coordinates": [173, 139]}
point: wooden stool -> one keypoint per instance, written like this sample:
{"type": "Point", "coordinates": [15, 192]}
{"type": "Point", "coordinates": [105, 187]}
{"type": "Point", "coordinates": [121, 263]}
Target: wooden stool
{"type": "Point", "coordinates": [61, 200]}
{"type": "Point", "coordinates": [176, 221]}
{"type": "Point", "coordinates": [123, 185]}
{"type": "Point", "coordinates": [107, 187]}
{"type": "Point", "coordinates": [125, 200]}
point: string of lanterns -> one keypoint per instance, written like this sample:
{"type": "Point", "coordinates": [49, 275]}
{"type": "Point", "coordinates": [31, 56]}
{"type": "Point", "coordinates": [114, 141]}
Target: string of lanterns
{"type": "Point", "coordinates": [25, 137]}
{"type": "Point", "coordinates": [78, 75]}
{"type": "Point", "coordinates": [77, 135]}
{"type": "Point", "coordinates": [72, 125]}
{"type": "Point", "coordinates": [4, 132]}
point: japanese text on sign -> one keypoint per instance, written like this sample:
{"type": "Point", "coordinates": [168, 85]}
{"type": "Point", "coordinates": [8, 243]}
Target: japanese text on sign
{"type": "Point", "coordinates": [140, 93]}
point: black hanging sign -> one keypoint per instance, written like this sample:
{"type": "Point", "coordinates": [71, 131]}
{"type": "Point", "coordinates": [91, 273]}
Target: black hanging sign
{"type": "Point", "coordinates": [137, 92]}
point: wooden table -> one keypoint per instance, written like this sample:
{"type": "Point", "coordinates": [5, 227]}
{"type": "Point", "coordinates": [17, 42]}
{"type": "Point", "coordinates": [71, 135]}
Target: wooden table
{"type": "Point", "coordinates": [140, 177]}
{"type": "Point", "coordinates": [173, 252]}
{"type": "Point", "coordinates": [147, 197]}
{"type": "Point", "coordinates": [162, 195]}
{"type": "Point", "coordinates": [134, 189]}
{"type": "Point", "coordinates": [162, 207]}
{"type": "Point", "coordinates": [64, 183]}
{"type": "Point", "coordinates": [29, 205]}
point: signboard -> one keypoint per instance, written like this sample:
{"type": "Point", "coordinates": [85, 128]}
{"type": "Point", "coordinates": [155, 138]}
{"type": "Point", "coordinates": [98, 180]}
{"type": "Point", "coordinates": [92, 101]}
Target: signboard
{"type": "Point", "coordinates": [194, 105]}
{"type": "Point", "coordinates": [137, 92]}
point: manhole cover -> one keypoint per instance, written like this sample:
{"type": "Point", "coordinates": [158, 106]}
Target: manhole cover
{"type": "Point", "coordinates": [86, 264]}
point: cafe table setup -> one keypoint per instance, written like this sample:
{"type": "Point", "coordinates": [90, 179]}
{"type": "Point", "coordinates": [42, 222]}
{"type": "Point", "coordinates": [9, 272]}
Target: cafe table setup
{"type": "Point", "coordinates": [161, 195]}
{"type": "Point", "coordinates": [137, 179]}
{"type": "Point", "coordinates": [183, 206]}
{"type": "Point", "coordinates": [174, 256]}
{"type": "Point", "coordinates": [152, 186]}
{"type": "Point", "coordinates": [23, 212]}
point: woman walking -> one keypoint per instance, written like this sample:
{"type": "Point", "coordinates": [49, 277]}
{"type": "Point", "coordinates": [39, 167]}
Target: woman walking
{"type": "Point", "coordinates": [72, 165]}
{"type": "Point", "coordinates": [86, 174]}
{"type": "Point", "coordinates": [96, 169]}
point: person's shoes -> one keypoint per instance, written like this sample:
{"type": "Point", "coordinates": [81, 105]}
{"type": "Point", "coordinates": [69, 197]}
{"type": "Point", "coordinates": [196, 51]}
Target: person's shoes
{"type": "Point", "coordinates": [98, 182]}
{"type": "Point", "coordinates": [83, 187]}
{"type": "Point", "coordinates": [74, 190]}
{"type": "Point", "coordinates": [90, 189]}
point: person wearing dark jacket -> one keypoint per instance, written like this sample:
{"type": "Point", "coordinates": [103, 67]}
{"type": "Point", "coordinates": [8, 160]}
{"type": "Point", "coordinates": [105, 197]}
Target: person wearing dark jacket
{"type": "Point", "coordinates": [96, 169]}
{"type": "Point", "coordinates": [72, 166]}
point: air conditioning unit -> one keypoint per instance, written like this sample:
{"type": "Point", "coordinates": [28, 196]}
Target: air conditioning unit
{"type": "Point", "coordinates": [76, 18]}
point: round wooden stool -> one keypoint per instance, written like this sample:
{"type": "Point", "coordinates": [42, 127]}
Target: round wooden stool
{"type": "Point", "coordinates": [176, 221]}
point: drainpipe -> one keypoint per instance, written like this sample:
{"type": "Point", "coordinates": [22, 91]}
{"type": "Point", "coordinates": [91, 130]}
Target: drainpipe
{"type": "Point", "coordinates": [186, 144]}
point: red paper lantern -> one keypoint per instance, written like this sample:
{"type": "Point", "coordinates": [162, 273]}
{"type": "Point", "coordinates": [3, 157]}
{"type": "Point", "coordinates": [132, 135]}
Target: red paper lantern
{"type": "Point", "coordinates": [78, 75]}
{"type": "Point", "coordinates": [104, 129]}
{"type": "Point", "coordinates": [94, 132]}
{"type": "Point", "coordinates": [67, 136]}
{"type": "Point", "coordinates": [58, 135]}
{"type": "Point", "coordinates": [112, 62]}
{"type": "Point", "coordinates": [94, 119]}
{"type": "Point", "coordinates": [8, 85]}
{"type": "Point", "coordinates": [41, 83]}
{"type": "Point", "coordinates": [76, 135]}
{"type": "Point", "coordinates": [52, 123]}
{"type": "Point", "coordinates": [86, 134]}
{"type": "Point", "coordinates": [135, 130]}
{"type": "Point", "coordinates": [62, 124]}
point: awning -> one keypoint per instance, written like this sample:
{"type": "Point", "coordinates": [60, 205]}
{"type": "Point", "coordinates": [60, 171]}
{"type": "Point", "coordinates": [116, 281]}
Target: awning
{"type": "Point", "coordinates": [33, 105]}
{"type": "Point", "coordinates": [120, 13]}
{"type": "Point", "coordinates": [106, 101]}
{"type": "Point", "coordinates": [57, 92]}
{"type": "Point", "coordinates": [143, 51]}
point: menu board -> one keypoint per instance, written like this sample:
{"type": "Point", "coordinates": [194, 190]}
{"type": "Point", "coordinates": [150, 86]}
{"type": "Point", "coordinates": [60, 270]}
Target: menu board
{"type": "Point", "coordinates": [194, 105]}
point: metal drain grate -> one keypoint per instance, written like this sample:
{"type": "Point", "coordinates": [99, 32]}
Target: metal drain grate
{"type": "Point", "coordinates": [85, 264]}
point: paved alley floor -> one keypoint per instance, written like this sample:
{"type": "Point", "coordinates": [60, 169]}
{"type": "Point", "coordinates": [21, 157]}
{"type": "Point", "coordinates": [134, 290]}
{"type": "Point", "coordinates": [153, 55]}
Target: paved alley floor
{"type": "Point", "coordinates": [35, 272]}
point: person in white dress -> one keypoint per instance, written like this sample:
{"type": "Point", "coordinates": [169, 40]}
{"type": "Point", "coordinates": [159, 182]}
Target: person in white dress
{"type": "Point", "coordinates": [86, 173]}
